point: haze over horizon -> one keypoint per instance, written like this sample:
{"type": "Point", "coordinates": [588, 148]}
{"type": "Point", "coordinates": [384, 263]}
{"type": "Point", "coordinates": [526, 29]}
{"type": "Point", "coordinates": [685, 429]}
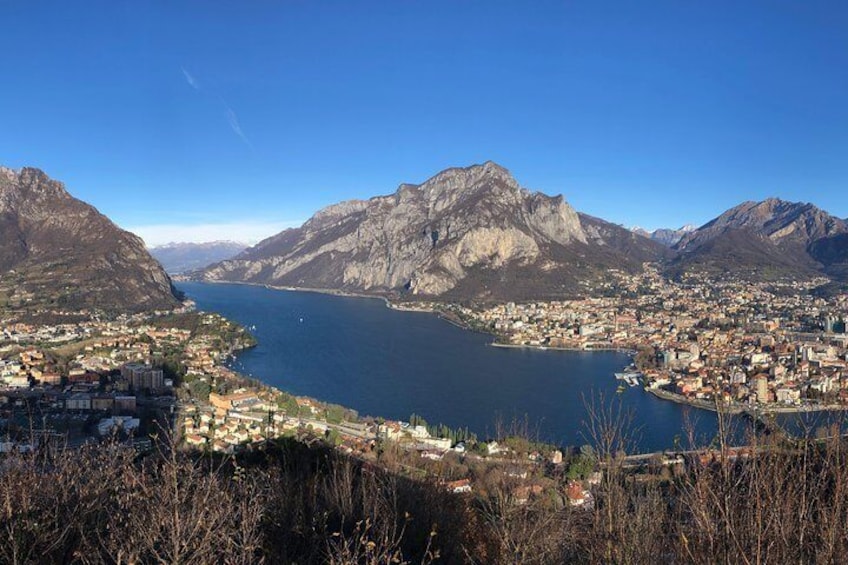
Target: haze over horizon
{"type": "Point", "coordinates": [191, 123]}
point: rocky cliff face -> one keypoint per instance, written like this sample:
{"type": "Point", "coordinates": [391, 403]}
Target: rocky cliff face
{"type": "Point", "coordinates": [466, 232]}
{"type": "Point", "coordinates": [59, 252]}
{"type": "Point", "coordinates": [773, 238]}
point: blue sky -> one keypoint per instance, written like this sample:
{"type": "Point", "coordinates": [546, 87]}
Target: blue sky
{"type": "Point", "coordinates": [230, 120]}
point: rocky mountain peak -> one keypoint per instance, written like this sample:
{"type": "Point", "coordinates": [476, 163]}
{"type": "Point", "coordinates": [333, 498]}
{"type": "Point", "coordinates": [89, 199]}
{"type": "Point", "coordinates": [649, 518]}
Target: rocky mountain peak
{"type": "Point", "coordinates": [665, 236]}
{"type": "Point", "coordinates": [33, 175]}
{"type": "Point", "coordinates": [773, 207]}
{"type": "Point", "coordinates": [471, 174]}
{"type": "Point", "coordinates": [769, 238]}
{"type": "Point", "coordinates": [335, 212]}
{"type": "Point", "coordinates": [27, 184]}
{"type": "Point", "coordinates": [465, 179]}
{"type": "Point", "coordinates": [8, 174]}
{"type": "Point", "coordinates": [59, 252]}
{"type": "Point", "coordinates": [778, 220]}
{"type": "Point", "coordinates": [464, 232]}
{"type": "Point", "coordinates": [764, 210]}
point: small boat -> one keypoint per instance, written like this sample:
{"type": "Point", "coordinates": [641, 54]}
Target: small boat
{"type": "Point", "coordinates": [620, 389]}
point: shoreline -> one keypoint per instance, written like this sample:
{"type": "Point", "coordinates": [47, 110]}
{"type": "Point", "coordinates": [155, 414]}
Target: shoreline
{"type": "Point", "coordinates": [346, 294]}
{"type": "Point", "coordinates": [327, 291]}
{"type": "Point", "coordinates": [657, 393]}
{"type": "Point", "coordinates": [694, 403]}
{"type": "Point", "coordinates": [743, 409]}
{"type": "Point", "coordinates": [624, 350]}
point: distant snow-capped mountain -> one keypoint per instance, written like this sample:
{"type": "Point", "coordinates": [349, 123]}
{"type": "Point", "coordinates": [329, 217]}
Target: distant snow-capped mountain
{"type": "Point", "coordinates": [183, 257]}
{"type": "Point", "coordinates": [666, 236]}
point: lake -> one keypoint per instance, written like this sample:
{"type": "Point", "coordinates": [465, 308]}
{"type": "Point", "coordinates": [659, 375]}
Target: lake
{"type": "Point", "coordinates": [381, 362]}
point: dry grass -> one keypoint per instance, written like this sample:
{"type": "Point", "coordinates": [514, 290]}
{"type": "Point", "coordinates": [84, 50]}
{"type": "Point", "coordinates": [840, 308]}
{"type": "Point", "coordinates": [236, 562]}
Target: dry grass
{"type": "Point", "coordinates": [296, 503]}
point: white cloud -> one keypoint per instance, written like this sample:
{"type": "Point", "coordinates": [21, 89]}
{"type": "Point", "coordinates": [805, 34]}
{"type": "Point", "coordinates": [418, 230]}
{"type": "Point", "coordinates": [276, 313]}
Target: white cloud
{"type": "Point", "coordinates": [245, 231]}
{"type": "Point", "coordinates": [232, 118]}
{"type": "Point", "coordinates": [192, 82]}
{"type": "Point", "coordinates": [234, 124]}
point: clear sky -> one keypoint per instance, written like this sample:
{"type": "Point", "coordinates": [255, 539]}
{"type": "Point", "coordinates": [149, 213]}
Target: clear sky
{"type": "Point", "coordinates": [230, 120]}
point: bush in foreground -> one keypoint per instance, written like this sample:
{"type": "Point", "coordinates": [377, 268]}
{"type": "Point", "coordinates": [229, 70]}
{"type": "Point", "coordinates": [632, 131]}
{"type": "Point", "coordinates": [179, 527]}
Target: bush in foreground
{"type": "Point", "coordinates": [294, 503]}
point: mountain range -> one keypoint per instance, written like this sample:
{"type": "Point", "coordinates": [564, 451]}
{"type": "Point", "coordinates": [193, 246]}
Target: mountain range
{"type": "Point", "coordinates": [57, 252]}
{"type": "Point", "coordinates": [666, 236]}
{"type": "Point", "coordinates": [766, 240]}
{"type": "Point", "coordinates": [475, 233]}
{"type": "Point", "coordinates": [466, 233]}
{"type": "Point", "coordinates": [179, 258]}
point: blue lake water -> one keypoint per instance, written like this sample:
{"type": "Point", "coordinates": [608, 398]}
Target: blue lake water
{"type": "Point", "coordinates": [358, 353]}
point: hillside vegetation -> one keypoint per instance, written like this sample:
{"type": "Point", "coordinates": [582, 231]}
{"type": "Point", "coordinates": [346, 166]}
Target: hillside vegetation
{"type": "Point", "coordinates": [300, 503]}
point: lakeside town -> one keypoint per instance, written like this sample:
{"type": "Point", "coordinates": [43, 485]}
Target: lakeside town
{"type": "Point", "coordinates": [90, 379]}
{"type": "Point", "coordinates": [769, 346]}
{"type": "Point", "coordinates": [133, 378]}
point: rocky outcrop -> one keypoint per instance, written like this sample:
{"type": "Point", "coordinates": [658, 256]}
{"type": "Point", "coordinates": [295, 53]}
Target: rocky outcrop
{"type": "Point", "coordinates": [466, 232]}
{"type": "Point", "coordinates": [58, 252]}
